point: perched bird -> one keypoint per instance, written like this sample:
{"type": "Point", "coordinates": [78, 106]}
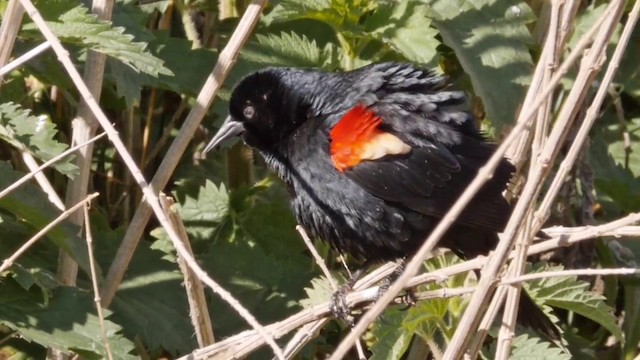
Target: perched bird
{"type": "Point", "coordinates": [374, 158]}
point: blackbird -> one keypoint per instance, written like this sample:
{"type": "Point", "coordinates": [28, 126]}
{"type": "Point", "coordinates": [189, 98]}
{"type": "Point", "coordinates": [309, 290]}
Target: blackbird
{"type": "Point", "coordinates": [373, 158]}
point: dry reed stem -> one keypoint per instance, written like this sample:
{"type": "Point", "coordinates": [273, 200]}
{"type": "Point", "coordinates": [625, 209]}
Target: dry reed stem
{"type": "Point", "coordinates": [176, 150]}
{"type": "Point", "coordinates": [364, 290]}
{"type": "Point", "coordinates": [11, 20]}
{"type": "Point", "coordinates": [94, 280]}
{"type": "Point", "coordinates": [31, 174]}
{"type": "Point", "coordinates": [483, 175]}
{"type": "Point", "coordinates": [149, 194]}
{"type": "Point", "coordinates": [84, 128]}
{"type": "Point", "coordinates": [7, 263]}
{"type": "Point", "coordinates": [198, 310]}
{"type": "Point", "coordinates": [588, 69]}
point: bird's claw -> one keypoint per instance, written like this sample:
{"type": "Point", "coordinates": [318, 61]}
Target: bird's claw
{"type": "Point", "coordinates": [338, 305]}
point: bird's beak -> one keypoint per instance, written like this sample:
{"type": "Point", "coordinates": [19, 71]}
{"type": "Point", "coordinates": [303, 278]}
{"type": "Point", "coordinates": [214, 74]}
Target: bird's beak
{"type": "Point", "coordinates": [229, 129]}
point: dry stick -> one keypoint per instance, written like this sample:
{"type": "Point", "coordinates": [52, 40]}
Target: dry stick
{"type": "Point", "coordinates": [24, 58]}
{"type": "Point", "coordinates": [94, 280]}
{"type": "Point", "coordinates": [84, 127]}
{"type": "Point", "coordinates": [308, 331]}
{"type": "Point", "coordinates": [198, 309]}
{"type": "Point", "coordinates": [149, 195]}
{"type": "Point", "coordinates": [548, 61]}
{"type": "Point", "coordinates": [42, 180]}
{"type": "Point", "coordinates": [483, 175]}
{"type": "Point", "coordinates": [518, 152]}
{"type": "Point", "coordinates": [237, 345]}
{"type": "Point", "coordinates": [588, 70]}
{"type": "Point", "coordinates": [244, 343]}
{"type": "Point", "coordinates": [11, 20]}
{"type": "Point", "coordinates": [591, 115]}
{"type": "Point", "coordinates": [629, 231]}
{"type": "Point", "coordinates": [573, 272]}
{"type": "Point", "coordinates": [169, 162]}
{"type": "Point", "coordinates": [46, 164]}
{"type": "Point", "coordinates": [317, 257]}
{"type": "Point", "coordinates": [7, 263]}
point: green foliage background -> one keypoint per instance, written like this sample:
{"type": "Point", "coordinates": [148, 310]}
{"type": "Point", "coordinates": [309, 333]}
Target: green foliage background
{"type": "Point", "coordinates": [242, 231]}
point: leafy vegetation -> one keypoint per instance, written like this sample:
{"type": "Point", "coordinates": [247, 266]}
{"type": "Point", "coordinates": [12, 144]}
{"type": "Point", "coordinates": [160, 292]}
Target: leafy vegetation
{"type": "Point", "coordinates": [244, 236]}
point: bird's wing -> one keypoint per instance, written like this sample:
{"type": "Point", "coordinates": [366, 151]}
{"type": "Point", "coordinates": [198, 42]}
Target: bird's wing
{"type": "Point", "coordinates": [416, 172]}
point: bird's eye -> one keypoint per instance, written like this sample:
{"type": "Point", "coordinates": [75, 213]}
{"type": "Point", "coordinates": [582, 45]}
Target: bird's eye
{"type": "Point", "coordinates": [249, 111]}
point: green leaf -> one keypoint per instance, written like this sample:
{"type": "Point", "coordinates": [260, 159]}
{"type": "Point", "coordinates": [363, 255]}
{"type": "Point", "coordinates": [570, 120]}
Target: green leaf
{"type": "Point", "coordinates": [35, 134]}
{"type": "Point", "coordinates": [67, 322]}
{"type": "Point", "coordinates": [566, 292]}
{"type": "Point", "coordinates": [489, 38]}
{"type": "Point", "coordinates": [319, 292]}
{"type": "Point", "coordinates": [204, 211]}
{"type": "Point", "coordinates": [287, 10]}
{"type": "Point", "coordinates": [391, 337]}
{"type": "Point", "coordinates": [527, 347]}
{"type": "Point", "coordinates": [287, 49]}
{"type": "Point", "coordinates": [608, 158]}
{"type": "Point", "coordinates": [405, 27]}
{"type": "Point", "coordinates": [78, 26]}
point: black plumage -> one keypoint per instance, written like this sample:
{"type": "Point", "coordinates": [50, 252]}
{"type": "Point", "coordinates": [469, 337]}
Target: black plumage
{"type": "Point", "coordinates": [384, 204]}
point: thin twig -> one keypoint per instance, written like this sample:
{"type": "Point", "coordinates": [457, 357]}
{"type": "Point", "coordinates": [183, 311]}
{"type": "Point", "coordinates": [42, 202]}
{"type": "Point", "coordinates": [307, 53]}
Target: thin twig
{"type": "Point", "coordinates": [198, 310]}
{"type": "Point", "coordinates": [588, 69]}
{"type": "Point", "coordinates": [94, 280]}
{"type": "Point", "coordinates": [591, 116]}
{"type": "Point", "coordinates": [571, 272]}
{"type": "Point", "coordinates": [150, 196]}
{"type": "Point", "coordinates": [319, 260]}
{"type": "Point", "coordinates": [174, 153]}
{"type": "Point", "coordinates": [84, 127]}
{"type": "Point", "coordinates": [42, 180]}
{"type": "Point", "coordinates": [484, 174]}
{"type": "Point", "coordinates": [7, 263]}
{"type": "Point", "coordinates": [45, 165]}
{"type": "Point", "coordinates": [24, 58]}
{"type": "Point", "coordinates": [11, 20]}
{"type": "Point", "coordinates": [312, 318]}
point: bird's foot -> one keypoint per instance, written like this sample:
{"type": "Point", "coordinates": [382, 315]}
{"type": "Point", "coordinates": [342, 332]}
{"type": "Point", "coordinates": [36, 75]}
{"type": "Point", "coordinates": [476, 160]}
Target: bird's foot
{"type": "Point", "coordinates": [339, 306]}
{"type": "Point", "coordinates": [408, 298]}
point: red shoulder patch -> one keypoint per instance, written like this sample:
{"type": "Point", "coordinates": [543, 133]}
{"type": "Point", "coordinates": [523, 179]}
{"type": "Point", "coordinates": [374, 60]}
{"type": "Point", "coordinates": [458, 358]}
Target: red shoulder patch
{"type": "Point", "coordinates": [356, 137]}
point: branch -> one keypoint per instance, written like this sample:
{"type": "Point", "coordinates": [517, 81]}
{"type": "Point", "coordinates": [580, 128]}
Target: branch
{"type": "Point", "coordinates": [7, 263]}
{"type": "Point", "coordinates": [150, 196]}
{"type": "Point", "coordinates": [174, 153]}
{"type": "Point", "coordinates": [309, 321]}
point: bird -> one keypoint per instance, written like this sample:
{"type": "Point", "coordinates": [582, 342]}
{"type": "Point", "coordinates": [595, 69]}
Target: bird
{"type": "Point", "coordinates": [373, 158]}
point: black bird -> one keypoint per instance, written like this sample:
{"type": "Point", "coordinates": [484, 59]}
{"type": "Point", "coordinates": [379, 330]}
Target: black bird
{"type": "Point", "coordinates": [374, 158]}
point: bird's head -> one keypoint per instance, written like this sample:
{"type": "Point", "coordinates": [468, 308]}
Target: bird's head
{"type": "Point", "coordinates": [264, 108]}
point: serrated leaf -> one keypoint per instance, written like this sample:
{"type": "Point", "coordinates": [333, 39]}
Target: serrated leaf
{"type": "Point", "coordinates": [405, 27]}
{"type": "Point", "coordinates": [391, 337]}
{"type": "Point", "coordinates": [527, 347]}
{"type": "Point", "coordinates": [313, 9]}
{"type": "Point", "coordinates": [67, 322]}
{"type": "Point", "coordinates": [35, 134]}
{"type": "Point", "coordinates": [319, 292]}
{"type": "Point", "coordinates": [78, 26]}
{"type": "Point", "coordinates": [569, 293]}
{"type": "Point", "coordinates": [204, 211]}
{"type": "Point", "coordinates": [489, 38]}
{"type": "Point", "coordinates": [286, 49]}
